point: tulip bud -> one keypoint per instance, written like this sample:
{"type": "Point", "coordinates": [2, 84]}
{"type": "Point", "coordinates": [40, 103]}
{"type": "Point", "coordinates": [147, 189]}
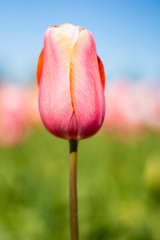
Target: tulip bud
{"type": "Point", "coordinates": [71, 83]}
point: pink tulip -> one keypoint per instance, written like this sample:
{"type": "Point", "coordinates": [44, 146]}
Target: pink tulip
{"type": "Point", "coordinates": [13, 118]}
{"type": "Point", "coordinates": [71, 83]}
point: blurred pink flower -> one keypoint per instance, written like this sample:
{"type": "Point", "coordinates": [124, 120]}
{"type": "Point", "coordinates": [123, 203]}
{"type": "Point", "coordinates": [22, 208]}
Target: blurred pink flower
{"type": "Point", "coordinates": [13, 119]}
{"type": "Point", "coordinates": [132, 107]}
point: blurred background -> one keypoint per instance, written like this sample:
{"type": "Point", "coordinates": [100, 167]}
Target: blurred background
{"type": "Point", "coordinates": [118, 168]}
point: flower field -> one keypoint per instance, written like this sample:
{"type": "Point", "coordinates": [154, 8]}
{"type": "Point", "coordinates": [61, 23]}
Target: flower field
{"type": "Point", "coordinates": [118, 170]}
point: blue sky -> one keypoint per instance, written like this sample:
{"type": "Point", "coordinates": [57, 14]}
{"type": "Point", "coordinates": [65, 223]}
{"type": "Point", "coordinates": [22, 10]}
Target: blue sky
{"type": "Point", "coordinates": [127, 35]}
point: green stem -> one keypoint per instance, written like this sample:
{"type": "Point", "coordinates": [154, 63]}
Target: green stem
{"type": "Point", "coordinates": [73, 191]}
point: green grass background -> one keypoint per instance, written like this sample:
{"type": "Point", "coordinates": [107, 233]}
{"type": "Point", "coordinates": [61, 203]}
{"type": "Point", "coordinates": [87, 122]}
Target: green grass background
{"type": "Point", "coordinates": [118, 188]}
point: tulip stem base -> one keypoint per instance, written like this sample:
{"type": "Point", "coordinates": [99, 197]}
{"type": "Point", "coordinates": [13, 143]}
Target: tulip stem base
{"type": "Point", "coordinates": [73, 191]}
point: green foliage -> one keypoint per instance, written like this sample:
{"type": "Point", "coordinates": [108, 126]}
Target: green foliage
{"type": "Point", "coordinates": [118, 188]}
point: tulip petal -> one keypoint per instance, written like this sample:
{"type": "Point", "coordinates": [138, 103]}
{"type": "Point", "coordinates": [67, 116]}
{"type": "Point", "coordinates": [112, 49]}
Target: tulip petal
{"type": "Point", "coordinates": [54, 96]}
{"type": "Point", "coordinates": [101, 71]}
{"type": "Point", "coordinates": [39, 67]}
{"type": "Point", "coordinates": [73, 127]}
{"type": "Point", "coordinates": [71, 31]}
{"type": "Point", "coordinates": [86, 86]}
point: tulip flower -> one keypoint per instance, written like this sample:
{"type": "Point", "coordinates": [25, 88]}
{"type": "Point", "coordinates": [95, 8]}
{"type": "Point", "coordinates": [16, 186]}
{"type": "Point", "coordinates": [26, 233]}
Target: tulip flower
{"type": "Point", "coordinates": [13, 117]}
{"type": "Point", "coordinates": [71, 83]}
